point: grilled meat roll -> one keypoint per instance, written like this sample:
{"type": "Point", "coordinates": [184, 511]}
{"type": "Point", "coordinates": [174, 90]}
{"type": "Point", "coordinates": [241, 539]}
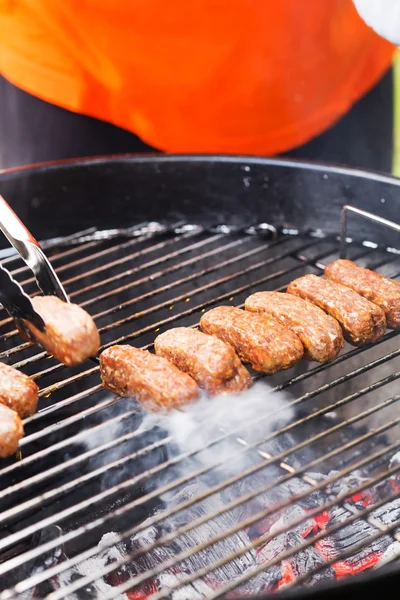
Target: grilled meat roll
{"type": "Point", "coordinates": [70, 334]}
{"type": "Point", "coordinates": [319, 333]}
{"type": "Point", "coordinates": [376, 288]}
{"type": "Point", "coordinates": [362, 322]}
{"type": "Point", "coordinates": [153, 380]}
{"type": "Point", "coordinates": [11, 431]}
{"type": "Point", "coordinates": [259, 339]}
{"type": "Point", "coordinates": [212, 363]}
{"type": "Point", "coordinates": [17, 391]}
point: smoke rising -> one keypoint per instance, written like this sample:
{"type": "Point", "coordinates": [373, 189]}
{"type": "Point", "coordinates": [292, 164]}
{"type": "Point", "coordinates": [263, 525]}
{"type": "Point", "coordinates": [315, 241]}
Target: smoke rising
{"type": "Point", "coordinates": [209, 435]}
{"type": "Point", "coordinates": [247, 417]}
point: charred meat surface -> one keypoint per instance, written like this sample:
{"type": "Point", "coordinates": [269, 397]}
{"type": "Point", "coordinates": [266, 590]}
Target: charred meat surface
{"type": "Point", "coordinates": [11, 431]}
{"type": "Point", "coordinates": [319, 333]}
{"type": "Point", "coordinates": [18, 391]}
{"type": "Point", "coordinates": [259, 339]}
{"type": "Point", "coordinates": [212, 363]}
{"type": "Point", "coordinates": [362, 322]}
{"type": "Point", "coordinates": [153, 380]}
{"type": "Point", "coordinates": [376, 288]}
{"type": "Point", "coordinates": [70, 334]}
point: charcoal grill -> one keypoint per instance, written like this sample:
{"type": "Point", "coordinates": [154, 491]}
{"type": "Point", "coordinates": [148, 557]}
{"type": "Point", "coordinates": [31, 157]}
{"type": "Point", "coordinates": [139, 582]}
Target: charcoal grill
{"type": "Point", "coordinates": [147, 243]}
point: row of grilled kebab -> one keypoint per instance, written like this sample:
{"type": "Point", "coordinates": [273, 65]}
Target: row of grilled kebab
{"type": "Point", "coordinates": [311, 320]}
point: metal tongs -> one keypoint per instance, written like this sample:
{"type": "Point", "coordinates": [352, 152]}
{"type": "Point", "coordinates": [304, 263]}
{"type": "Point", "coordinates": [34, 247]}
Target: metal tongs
{"type": "Point", "coordinates": [12, 296]}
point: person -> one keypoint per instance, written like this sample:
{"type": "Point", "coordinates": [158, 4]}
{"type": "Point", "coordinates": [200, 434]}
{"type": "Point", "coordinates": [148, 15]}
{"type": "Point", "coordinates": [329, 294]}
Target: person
{"type": "Point", "coordinates": [300, 78]}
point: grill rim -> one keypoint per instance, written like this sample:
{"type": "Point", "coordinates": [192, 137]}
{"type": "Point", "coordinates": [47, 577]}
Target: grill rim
{"type": "Point", "coordinates": [332, 187]}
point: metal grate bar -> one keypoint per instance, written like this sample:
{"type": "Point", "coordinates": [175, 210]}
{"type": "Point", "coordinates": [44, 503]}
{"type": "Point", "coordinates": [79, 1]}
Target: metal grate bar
{"type": "Point", "coordinates": [138, 269]}
{"type": "Point", "coordinates": [81, 436]}
{"type": "Point", "coordinates": [357, 547]}
{"type": "Point", "coordinates": [120, 306]}
{"type": "Point", "coordinates": [50, 245]}
{"type": "Point", "coordinates": [45, 412]}
{"type": "Point", "coordinates": [187, 312]}
{"type": "Point", "coordinates": [176, 460]}
{"type": "Point", "coordinates": [363, 369]}
{"type": "Point", "coordinates": [29, 506]}
{"type": "Point", "coordinates": [95, 256]}
{"type": "Point", "coordinates": [170, 286]}
{"type": "Point", "coordinates": [254, 469]}
{"type": "Point", "coordinates": [245, 523]}
{"type": "Point", "coordinates": [15, 511]}
{"type": "Point", "coordinates": [286, 384]}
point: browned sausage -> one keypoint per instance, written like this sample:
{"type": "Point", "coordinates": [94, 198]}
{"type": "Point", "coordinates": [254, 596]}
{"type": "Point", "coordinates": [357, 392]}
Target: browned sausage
{"type": "Point", "coordinates": [153, 380]}
{"type": "Point", "coordinates": [212, 363]}
{"type": "Point", "coordinates": [70, 335]}
{"type": "Point", "coordinates": [373, 286]}
{"type": "Point", "coordinates": [319, 333]}
{"type": "Point", "coordinates": [258, 339]}
{"type": "Point", "coordinates": [18, 391]}
{"type": "Point", "coordinates": [11, 431]}
{"type": "Point", "coordinates": [362, 322]}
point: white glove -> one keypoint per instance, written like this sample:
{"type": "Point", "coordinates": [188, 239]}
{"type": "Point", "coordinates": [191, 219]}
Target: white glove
{"type": "Point", "coordinates": [383, 16]}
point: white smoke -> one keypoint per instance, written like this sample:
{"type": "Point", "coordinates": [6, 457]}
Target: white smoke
{"type": "Point", "coordinates": [214, 431]}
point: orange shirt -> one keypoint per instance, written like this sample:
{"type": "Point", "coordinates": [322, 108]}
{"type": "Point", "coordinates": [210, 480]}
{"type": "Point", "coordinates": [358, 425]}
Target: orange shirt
{"type": "Point", "coordinates": [229, 76]}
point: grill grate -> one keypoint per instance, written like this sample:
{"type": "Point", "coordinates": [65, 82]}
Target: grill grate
{"type": "Point", "coordinates": [89, 468]}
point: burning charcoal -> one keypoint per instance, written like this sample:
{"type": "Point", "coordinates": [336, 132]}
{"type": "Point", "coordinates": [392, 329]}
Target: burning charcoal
{"type": "Point", "coordinates": [388, 514]}
{"type": "Point", "coordinates": [306, 560]}
{"type": "Point", "coordinates": [263, 583]}
{"type": "Point", "coordinates": [271, 549]}
{"type": "Point", "coordinates": [149, 560]}
{"type": "Point", "coordinates": [125, 571]}
{"type": "Point", "coordinates": [194, 591]}
{"type": "Point", "coordinates": [395, 478]}
{"type": "Point", "coordinates": [94, 590]}
{"type": "Point", "coordinates": [395, 460]}
{"type": "Point", "coordinates": [261, 502]}
{"type": "Point", "coordinates": [390, 554]}
{"type": "Point", "coordinates": [92, 565]}
{"type": "Point", "coordinates": [295, 486]}
{"type": "Point", "coordinates": [332, 547]}
{"type": "Point", "coordinates": [272, 498]}
{"type": "Point", "coordinates": [297, 565]}
{"type": "Point", "coordinates": [265, 525]}
{"type": "Point", "coordinates": [346, 484]}
{"type": "Point", "coordinates": [204, 533]}
{"type": "Point", "coordinates": [287, 574]}
{"type": "Point", "coordinates": [216, 526]}
{"type": "Point", "coordinates": [199, 588]}
{"type": "Point", "coordinates": [291, 515]}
